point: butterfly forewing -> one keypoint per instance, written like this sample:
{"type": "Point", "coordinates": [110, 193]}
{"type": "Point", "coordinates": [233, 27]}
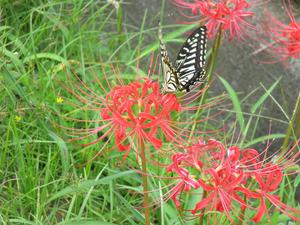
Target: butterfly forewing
{"type": "Point", "coordinates": [190, 61]}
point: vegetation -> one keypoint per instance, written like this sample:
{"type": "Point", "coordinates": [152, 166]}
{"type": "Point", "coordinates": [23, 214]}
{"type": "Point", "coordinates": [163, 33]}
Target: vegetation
{"type": "Point", "coordinates": [48, 177]}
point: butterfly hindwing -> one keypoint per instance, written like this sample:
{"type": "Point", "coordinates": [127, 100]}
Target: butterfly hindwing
{"type": "Point", "coordinates": [169, 72]}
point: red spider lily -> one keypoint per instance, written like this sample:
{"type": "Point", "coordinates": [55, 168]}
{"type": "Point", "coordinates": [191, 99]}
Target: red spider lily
{"type": "Point", "coordinates": [139, 109]}
{"type": "Point", "coordinates": [272, 181]}
{"type": "Point", "coordinates": [187, 182]}
{"type": "Point", "coordinates": [268, 182]}
{"type": "Point", "coordinates": [136, 112]}
{"type": "Point", "coordinates": [220, 191]}
{"type": "Point", "coordinates": [231, 15]}
{"type": "Point", "coordinates": [232, 179]}
{"type": "Point", "coordinates": [285, 37]}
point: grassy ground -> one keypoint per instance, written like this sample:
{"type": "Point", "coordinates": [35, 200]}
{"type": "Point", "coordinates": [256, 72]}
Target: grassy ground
{"type": "Point", "coordinates": [43, 178]}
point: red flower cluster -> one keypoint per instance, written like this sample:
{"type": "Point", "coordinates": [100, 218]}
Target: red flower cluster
{"type": "Point", "coordinates": [139, 110]}
{"type": "Point", "coordinates": [232, 179]}
{"type": "Point", "coordinates": [134, 113]}
{"type": "Point", "coordinates": [231, 15]}
{"type": "Point", "coordinates": [285, 38]}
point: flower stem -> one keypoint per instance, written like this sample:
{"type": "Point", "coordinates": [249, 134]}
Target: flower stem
{"type": "Point", "coordinates": [242, 213]}
{"type": "Point", "coordinates": [145, 184]}
{"type": "Point", "coordinates": [201, 219]}
{"type": "Point", "coordinates": [211, 67]}
{"type": "Point", "coordinates": [119, 21]}
{"type": "Point", "coordinates": [181, 209]}
{"type": "Point", "coordinates": [294, 126]}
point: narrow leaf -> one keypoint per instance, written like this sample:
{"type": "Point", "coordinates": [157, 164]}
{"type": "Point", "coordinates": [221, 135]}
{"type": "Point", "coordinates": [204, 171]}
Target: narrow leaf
{"type": "Point", "coordinates": [169, 37]}
{"type": "Point", "coordinates": [63, 152]}
{"type": "Point", "coordinates": [263, 138]}
{"type": "Point", "coordinates": [84, 185]}
{"type": "Point", "coordinates": [263, 97]}
{"type": "Point", "coordinates": [46, 56]}
{"type": "Point", "coordinates": [235, 102]}
{"type": "Point", "coordinates": [87, 222]}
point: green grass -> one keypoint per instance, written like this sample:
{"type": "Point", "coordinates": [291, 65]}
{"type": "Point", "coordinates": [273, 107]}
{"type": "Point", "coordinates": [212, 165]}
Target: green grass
{"type": "Point", "coordinates": [43, 178]}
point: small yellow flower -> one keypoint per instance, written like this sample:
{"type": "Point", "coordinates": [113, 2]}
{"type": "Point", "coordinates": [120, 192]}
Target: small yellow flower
{"type": "Point", "coordinates": [18, 118]}
{"type": "Point", "coordinates": [59, 100]}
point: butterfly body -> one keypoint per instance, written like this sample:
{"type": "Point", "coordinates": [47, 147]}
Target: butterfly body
{"type": "Point", "coordinates": [189, 69]}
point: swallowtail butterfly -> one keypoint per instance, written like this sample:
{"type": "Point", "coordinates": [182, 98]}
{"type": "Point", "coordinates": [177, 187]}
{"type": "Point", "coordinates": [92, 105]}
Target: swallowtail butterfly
{"type": "Point", "coordinates": [189, 68]}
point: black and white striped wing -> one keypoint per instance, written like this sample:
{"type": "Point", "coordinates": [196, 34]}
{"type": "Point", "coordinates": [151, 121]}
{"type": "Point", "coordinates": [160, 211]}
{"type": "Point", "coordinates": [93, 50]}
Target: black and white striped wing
{"type": "Point", "coordinates": [190, 61]}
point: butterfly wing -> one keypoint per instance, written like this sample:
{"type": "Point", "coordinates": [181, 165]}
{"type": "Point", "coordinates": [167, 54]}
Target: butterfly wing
{"type": "Point", "coordinates": [170, 75]}
{"type": "Point", "coordinates": [190, 61]}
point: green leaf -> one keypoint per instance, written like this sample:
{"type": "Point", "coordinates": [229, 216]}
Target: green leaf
{"type": "Point", "coordinates": [87, 222]}
{"type": "Point", "coordinates": [55, 20]}
{"type": "Point", "coordinates": [84, 185]}
{"type": "Point", "coordinates": [297, 181]}
{"type": "Point", "coordinates": [21, 221]}
{"type": "Point", "coordinates": [284, 219]}
{"type": "Point", "coordinates": [47, 56]}
{"type": "Point", "coordinates": [17, 43]}
{"type": "Point", "coordinates": [2, 28]}
{"type": "Point", "coordinates": [263, 138]}
{"type": "Point", "coordinates": [64, 154]}
{"type": "Point", "coordinates": [263, 97]}
{"type": "Point", "coordinates": [137, 215]}
{"type": "Point", "coordinates": [11, 56]}
{"type": "Point", "coordinates": [169, 37]}
{"type": "Point", "coordinates": [14, 85]}
{"type": "Point", "coordinates": [235, 102]}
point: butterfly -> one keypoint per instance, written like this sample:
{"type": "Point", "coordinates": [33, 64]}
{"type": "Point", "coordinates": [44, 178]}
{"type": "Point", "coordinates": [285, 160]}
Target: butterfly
{"type": "Point", "coordinates": [189, 68]}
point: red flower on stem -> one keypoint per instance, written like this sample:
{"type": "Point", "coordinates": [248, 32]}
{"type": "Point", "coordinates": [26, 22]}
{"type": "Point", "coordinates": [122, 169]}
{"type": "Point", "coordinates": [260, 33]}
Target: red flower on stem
{"type": "Point", "coordinates": [220, 190]}
{"type": "Point", "coordinates": [139, 110]}
{"type": "Point", "coordinates": [231, 15]}
{"type": "Point", "coordinates": [134, 116]}
{"type": "Point", "coordinates": [136, 112]}
{"type": "Point", "coordinates": [187, 182]}
{"type": "Point", "coordinates": [284, 37]}
{"type": "Point", "coordinates": [232, 179]}
{"type": "Point", "coordinates": [268, 180]}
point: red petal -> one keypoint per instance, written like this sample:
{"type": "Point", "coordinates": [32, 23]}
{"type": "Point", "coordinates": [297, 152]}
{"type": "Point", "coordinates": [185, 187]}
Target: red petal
{"type": "Point", "coordinates": [260, 212]}
{"type": "Point", "coordinates": [204, 202]}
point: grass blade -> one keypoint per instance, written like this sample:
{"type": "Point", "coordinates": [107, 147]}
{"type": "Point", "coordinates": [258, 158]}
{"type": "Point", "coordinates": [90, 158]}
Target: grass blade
{"type": "Point", "coordinates": [87, 222]}
{"type": "Point", "coordinates": [79, 187]}
{"type": "Point", "coordinates": [235, 101]}
{"type": "Point", "coordinates": [263, 97]}
{"type": "Point", "coordinates": [263, 138]}
{"type": "Point", "coordinates": [169, 37]}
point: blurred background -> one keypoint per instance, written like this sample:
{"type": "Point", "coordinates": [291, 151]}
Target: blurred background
{"type": "Point", "coordinates": [240, 63]}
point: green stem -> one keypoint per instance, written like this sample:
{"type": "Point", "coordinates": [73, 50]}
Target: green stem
{"type": "Point", "coordinates": [181, 209]}
{"type": "Point", "coordinates": [294, 126]}
{"type": "Point", "coordinates": [145, 184]}
{"type": "Point", "coordinates": [119, 15]}
{"type": "Point", "coordinates": [120, 20]}
{"type": "Point", "coordinates": [242, 213]}
{"type": "Point", "coordinates": [211, 67]}
{"type": "Point", "coordinates": [201, 219]}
